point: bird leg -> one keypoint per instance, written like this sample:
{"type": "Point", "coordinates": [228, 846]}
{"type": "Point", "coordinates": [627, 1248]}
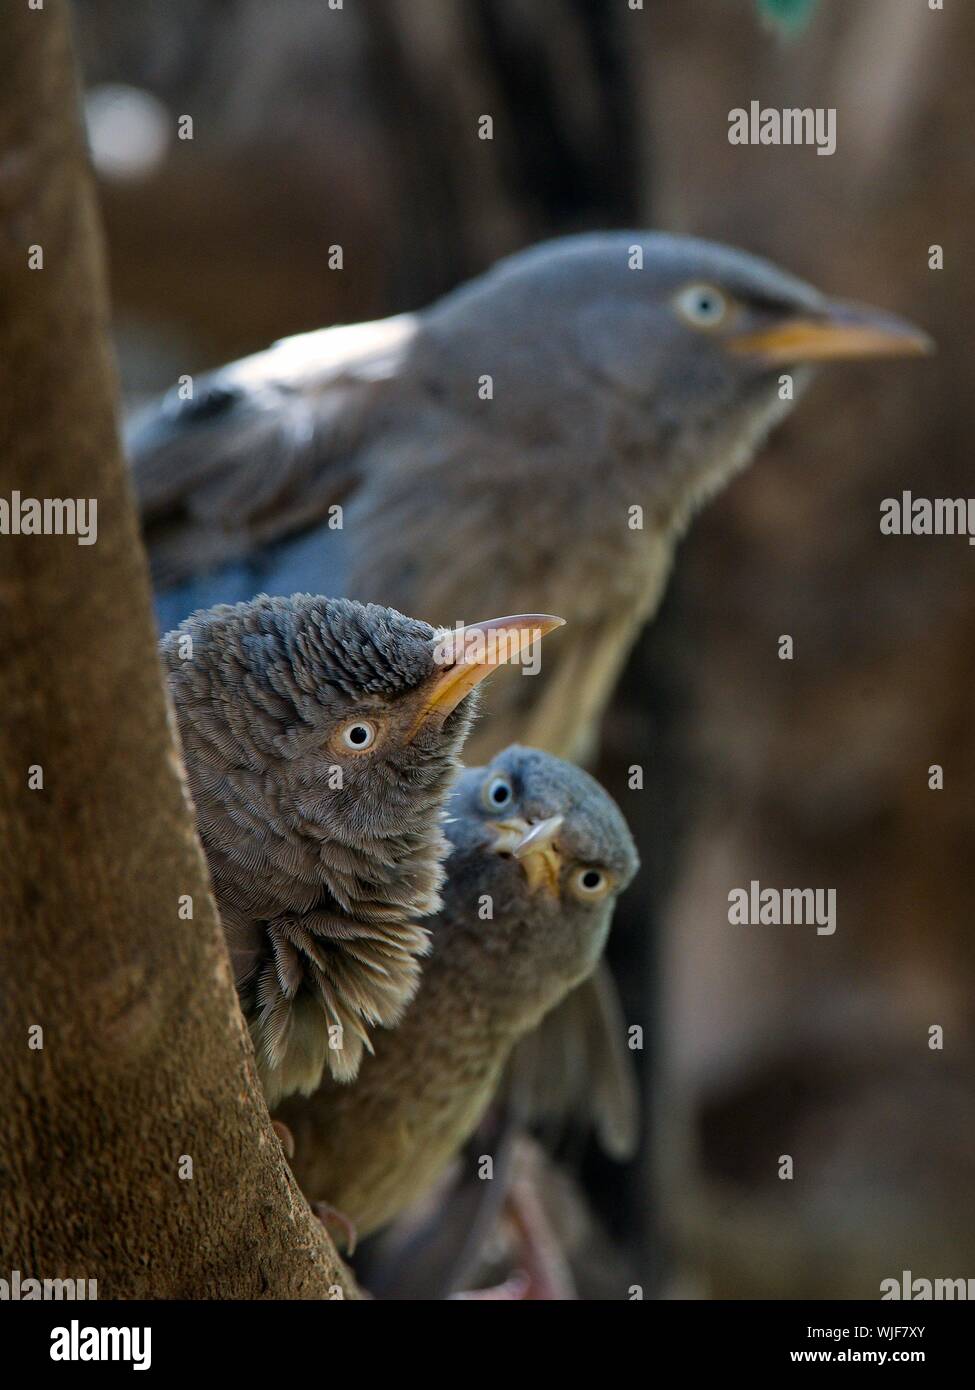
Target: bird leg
{"type": "Point", "coordinates": [543, 1262]}
{"type": "Point", "coordinates": [542, 1271]}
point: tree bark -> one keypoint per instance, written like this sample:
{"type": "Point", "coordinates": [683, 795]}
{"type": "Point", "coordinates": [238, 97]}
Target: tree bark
{"type": "Point", "coordinates": [135, 1145]}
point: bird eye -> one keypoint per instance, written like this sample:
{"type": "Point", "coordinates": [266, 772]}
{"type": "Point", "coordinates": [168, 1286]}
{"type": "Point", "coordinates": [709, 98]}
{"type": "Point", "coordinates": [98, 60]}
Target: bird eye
{"type": "Point", "coordinates": [589, 884]}
{"type": "Point", "coordinates": [358, 736]}
{"type": "Point", "coordinates": [498, 793]}
{"type": "Point", "coordinates": [702, 306]}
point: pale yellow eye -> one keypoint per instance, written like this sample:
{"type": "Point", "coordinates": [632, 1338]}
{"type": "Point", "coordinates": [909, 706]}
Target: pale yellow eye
{"type": "Point", "coordinates": [589, 884]}
{"type": "Point", "coordinates": [358, 736]}
{"type": "Point", "coordinates": [702, 306]}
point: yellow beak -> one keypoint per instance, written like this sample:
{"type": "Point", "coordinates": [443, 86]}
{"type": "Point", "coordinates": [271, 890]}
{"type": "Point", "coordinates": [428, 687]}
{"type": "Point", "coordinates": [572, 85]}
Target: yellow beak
{"type": "Point", "coordinates": [469, 654]}
{"type": "Point", "coordinates": [533, 845]}
{"type": "Point", "coordinates": [842, 331]}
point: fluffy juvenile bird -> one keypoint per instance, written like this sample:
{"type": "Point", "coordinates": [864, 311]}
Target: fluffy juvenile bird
{"type": "Point", "coordinates": [321, 738]}
{"type": "Point", "coordinates": [540, 855]}
{"type": "Point", "coordinates": [540, 437]}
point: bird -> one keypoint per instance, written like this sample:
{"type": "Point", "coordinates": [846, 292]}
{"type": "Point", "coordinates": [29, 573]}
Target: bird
{"type": "Point", "coordinates": [541, 436]}
{"type": "Point", "coordinates": [539, 855]}
{"type": "Point", "coordinates": [320, 739]}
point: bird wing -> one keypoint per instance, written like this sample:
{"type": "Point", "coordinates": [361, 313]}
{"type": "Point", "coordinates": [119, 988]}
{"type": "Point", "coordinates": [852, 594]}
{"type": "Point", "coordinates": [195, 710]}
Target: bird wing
{"type": "Point", "coordinates": [262, 449]}
{"type": "Point", "coordinates": [575, 1066]}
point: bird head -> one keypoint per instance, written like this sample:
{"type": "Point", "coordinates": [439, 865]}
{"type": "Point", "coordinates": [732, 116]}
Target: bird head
{"type": "Point", "coordinates": [667, 348]}
{"type": "Point", "coordinates": [548, 848]}
{"type": "Point", "coordinates": [320, 738]}
{"type": "Point", "coordinates": [335, 723]}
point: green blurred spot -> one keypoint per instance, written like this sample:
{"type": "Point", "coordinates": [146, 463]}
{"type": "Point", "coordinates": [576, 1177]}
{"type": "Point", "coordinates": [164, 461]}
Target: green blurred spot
{"type": "Point", "coordinates": [789, 16]}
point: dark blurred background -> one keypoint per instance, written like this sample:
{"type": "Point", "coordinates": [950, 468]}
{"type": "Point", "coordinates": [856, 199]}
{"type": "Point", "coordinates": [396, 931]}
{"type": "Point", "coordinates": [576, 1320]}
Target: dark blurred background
{"type": "Point", "coordinates": [357, 126]}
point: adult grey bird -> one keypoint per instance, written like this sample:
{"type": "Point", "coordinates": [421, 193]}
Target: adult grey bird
{"type": "Point", "coordinates": [540, 855]}
{"type": "Point", "coordinates": [539, 438]}
{"type": "Point", "coordinates": [321, 737]}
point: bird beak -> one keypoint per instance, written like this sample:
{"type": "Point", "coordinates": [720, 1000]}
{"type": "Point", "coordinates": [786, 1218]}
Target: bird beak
{"type": "Point", "coordinates": [534, 848]}
{"type": "Point", "coordinates": [840, 331]}
{"type": "Point", "coordinates": [469, 654]}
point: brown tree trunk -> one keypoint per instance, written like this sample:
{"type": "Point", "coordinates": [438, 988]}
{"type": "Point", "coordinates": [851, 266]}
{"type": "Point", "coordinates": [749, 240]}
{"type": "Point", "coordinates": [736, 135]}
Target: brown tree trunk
{"type": "Point", "coordinates": [142, 1063]}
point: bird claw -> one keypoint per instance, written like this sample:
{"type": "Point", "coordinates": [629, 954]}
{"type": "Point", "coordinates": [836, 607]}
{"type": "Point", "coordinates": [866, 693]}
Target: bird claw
{"type": "Point", "coordinates": [286, 1137]}
{"type": "Point", "coordinates": [516, 1288]}
{"type": "Point", "coordinates": [331, 1217]}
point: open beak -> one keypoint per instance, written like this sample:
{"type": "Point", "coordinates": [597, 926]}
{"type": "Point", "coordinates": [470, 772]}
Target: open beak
{"type": "Point", "coordinates": [469, 654]}
{"type": "Point", "coordinates": [533, 845]}
{"type": "Point", "coordinates": [841, 330]}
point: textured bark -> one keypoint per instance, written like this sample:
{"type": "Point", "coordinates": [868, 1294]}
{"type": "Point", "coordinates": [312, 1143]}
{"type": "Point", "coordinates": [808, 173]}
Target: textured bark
{"type": "Point", "coordinates": [145, 1059]}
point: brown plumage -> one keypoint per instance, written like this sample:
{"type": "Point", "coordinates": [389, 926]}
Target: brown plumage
{"type": "Point", "coordinates": [321, 738]}
{"type": "Point", "coordinates": [540, 854]}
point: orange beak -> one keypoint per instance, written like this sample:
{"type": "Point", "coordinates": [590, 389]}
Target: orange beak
{"type": "Point", "coordinates": [469, 654]}
{"type": "Point", "coordinates": [841, 331]}
{"type": "Point", "coordinates": [533, 845]}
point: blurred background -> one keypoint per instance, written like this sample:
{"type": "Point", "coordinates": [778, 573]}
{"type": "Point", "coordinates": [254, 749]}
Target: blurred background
{"type": "Point", "coordinates": [314, 127]}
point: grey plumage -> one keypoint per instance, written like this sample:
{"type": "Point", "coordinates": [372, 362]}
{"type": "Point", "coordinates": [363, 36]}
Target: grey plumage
{"type": "Point", "coordinates": [529, 897]}
{"type": "Point", "coordinates": [612, 388]}
{"type": "Point", "coordinates": [324, 850]}
{"type": "Point", "coordinates": [621, 399]}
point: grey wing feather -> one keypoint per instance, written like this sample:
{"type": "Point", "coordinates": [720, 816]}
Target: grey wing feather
{"type": "Point", "coordinates": [263, 449]}
{"type": "Point", "coordinates": [575, 1066]}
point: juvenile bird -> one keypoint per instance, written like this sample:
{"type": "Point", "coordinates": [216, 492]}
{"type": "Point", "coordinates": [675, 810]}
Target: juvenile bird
{"type": "Point", "coordinates": [321, 737]}
{"type": "Point", "coordinates": [540, 855]}
{"type": "Point", "coordinates": [540, 437]}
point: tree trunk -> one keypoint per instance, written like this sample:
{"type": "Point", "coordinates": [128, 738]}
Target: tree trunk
{"type": "Point", "coordinates": [135, 1146]}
